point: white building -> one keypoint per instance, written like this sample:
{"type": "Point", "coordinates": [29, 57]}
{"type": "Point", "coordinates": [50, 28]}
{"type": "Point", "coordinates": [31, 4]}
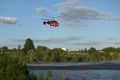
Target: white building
{"type": "Point", "coordinates": [65, 49]}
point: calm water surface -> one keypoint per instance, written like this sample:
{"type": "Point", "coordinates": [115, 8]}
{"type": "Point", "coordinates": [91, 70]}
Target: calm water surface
{"type": "Point", "coordinates": [83, 74]}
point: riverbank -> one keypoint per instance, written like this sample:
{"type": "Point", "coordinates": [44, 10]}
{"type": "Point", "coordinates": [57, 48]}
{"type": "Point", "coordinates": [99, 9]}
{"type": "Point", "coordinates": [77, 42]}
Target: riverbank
{"type": "Point", "coordinates": [108, 65]}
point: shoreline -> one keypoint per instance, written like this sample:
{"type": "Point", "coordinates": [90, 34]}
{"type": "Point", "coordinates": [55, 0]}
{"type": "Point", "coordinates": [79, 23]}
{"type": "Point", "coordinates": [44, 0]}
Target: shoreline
{"type": "Point", "coordinates": [109, 65]}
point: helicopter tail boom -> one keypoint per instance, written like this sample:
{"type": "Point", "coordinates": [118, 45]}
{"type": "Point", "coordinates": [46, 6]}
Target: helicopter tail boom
{"type": "Point", "coordinates": [44, 22]}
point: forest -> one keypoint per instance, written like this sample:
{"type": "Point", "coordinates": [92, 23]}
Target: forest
{"type": "Point", "coordinates": [14, 60]}
{"type": "Point", "coordinates": [43, 54]}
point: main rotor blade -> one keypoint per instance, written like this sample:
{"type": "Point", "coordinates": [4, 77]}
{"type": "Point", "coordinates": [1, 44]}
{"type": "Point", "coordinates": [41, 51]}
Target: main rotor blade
{"type": "Point", "coordinates": [37, 17]}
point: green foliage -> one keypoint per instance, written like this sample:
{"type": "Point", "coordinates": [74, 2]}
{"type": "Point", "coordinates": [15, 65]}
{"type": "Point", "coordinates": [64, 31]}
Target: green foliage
{"type": "Point", "coordinates": [42, 54]}
{"type": "Point", "coordinates": [41, 49]}
{"type": "Point", "coordinates": [95, 56]}
{"type": "Point", "coordinates": [41, 77]}
{"type": "Point", "coordinates": [107, 56]}
{"type": "Point", "coordinates": [58, 55]}
{"type": "Point", "coordinates": [5, 48]}
{"type": "Point", "coordinates": [69, 58]}
{"type": "Point", "coordinates": [111, 49]}
{"type": "Point", "coordinates": [48, 76]}
{"type": "Point", "coordinates": [12, 61]}
{"type": "Point", "coordinates": [30, 56]}
{"type": "Point", "coordinates": [115, 56]}
{"type": "Point", "coordinates": [11, 68]}
{"type": "Point", "coordinates": [28, 45]}
{"type": "Point", "coordinates": [92, 50]}
{"type": "Point", "coordinates": [32, 76]}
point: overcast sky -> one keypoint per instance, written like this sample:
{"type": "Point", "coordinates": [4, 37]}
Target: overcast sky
{"type": "Point", "coordinates": [83, 23]}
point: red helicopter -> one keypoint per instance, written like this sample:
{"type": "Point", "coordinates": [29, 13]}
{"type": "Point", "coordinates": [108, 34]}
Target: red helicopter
{"type": "Point", "coordinates": [53, 23]}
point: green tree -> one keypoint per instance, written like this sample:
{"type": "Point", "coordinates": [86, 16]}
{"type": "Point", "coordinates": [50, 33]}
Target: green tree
{"type": "Point", "coordinates": [109, 49]}
{"type": "Point", "coordinates": [30, 56]}
{"type": "Point", "coordinates": [115, 56]}
{"type": "Point", "coordinates": [4, 49]}
{"type": "Point", "coordinates": [95, 56]}
{"type": "Point", "coordinates": [41, 49]}
{"type": "Point", "coordinates": [19, 47]}
{"type": "Point", "coordinates": [92, 50]}
{"type": "Point", "coordinates": [69, 58]}
{"type": "Point", "coordinates": [107, 56]}
{"type": "Point", "coordinates": [28, 45]}
{"type": "Point", "coordinates": [58, 55]}
{"type": "Point", "coordinates": [11, 68]}
{"type": "Point", "coordinates": [42, 54]}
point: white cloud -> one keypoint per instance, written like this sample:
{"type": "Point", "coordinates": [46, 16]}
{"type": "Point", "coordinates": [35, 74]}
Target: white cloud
{"type": "Point", "coordinates": [68, 3]}
{"type": "Point", "coordinates": [60, 40]}
{"type": "Point", "coordinates": [73, 15]}
{"type": "Point", "coordinates": [83, 13]}
{"type": "Point", "coordinates": [7, 20]}
{"type": "Point", "coordinates": [51, 40]}
{"type": "Point", "coordinates": [72, 41]}
{"type": "Point", "coordinates": [117, 43]}
{"type": "Point", "coordinates": [115, 18]}
{"type": "Point", "coordinates": [73, 24]}
{"type": "Point", "coordinates": [18, 40]}
{"type": "Point", "coordinates": [42, 10]}
{"type": "Point", "coordinates": [90, 43]}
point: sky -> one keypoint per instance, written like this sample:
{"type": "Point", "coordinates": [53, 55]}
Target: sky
{"type": "Point", "coordinates": [83, 23]}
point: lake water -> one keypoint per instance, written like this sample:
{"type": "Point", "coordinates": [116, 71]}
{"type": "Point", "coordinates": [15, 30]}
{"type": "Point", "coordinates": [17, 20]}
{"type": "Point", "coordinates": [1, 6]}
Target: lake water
{"type": "Point", "coordinates": [83, 74]}
{"type": "Point", "coordinates": [66, 74]}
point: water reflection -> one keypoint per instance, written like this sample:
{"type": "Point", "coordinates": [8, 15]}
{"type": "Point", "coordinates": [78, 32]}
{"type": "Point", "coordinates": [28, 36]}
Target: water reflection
{"type": "Point", "coordinates": [78, 74]}
{"type": "Point", "coordinates": [83, 74]}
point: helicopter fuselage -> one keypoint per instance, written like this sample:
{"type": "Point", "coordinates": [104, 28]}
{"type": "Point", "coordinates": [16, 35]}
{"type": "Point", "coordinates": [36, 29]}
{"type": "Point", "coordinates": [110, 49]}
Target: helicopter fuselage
{"type": "Point", "coordinates": [51, 23]}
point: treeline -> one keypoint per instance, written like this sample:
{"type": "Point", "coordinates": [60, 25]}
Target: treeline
{"type": "Point", "coordinates": [42, 54]}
